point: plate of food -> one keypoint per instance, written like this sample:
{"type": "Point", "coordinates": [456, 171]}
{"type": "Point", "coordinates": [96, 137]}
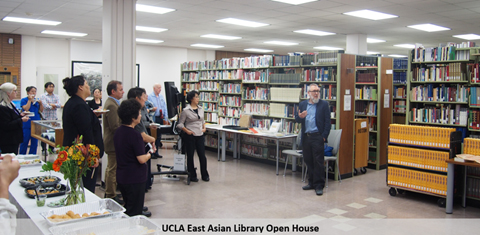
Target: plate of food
{"type": "Point", "coordinates": [50, 191]}
{"type": "Point", "coordinates": [101, 111]}
{"type": "Point", "coordinates": [44, 181]}
{"type": "Point", "coordinates": [34, 162]}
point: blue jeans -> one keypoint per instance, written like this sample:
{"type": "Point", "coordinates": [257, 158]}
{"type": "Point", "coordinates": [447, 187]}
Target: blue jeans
{"type": "Point", "coordinates": [33, 142]}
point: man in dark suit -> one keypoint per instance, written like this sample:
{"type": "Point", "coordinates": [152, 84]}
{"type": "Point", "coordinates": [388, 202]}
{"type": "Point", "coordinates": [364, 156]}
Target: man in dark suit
{"type": "Point", "coordinates": [314, 114]}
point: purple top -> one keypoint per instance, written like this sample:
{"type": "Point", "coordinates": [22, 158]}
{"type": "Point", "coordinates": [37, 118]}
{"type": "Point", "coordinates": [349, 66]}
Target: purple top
{"type": "Point", "coordinates": [128, 145]}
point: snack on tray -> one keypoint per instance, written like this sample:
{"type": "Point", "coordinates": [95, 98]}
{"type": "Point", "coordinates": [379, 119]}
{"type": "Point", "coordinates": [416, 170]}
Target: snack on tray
{"type": "Point", "coordinates": [71, 215]}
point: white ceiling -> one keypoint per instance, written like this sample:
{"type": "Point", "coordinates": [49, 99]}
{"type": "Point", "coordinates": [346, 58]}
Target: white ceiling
{"type": "Point", "coordinates": [193, 18]}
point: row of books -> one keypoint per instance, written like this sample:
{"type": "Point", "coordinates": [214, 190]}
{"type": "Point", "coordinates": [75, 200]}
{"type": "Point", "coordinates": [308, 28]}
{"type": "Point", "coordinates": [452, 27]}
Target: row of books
{"type": "Point", "coordinates": [262, 123]}
{"type": "Point", "coordinates": [211, 117]}
{"type": "Point", "coordinates": [230, 111]}
{"type": "Point", "coordinates": [209, 85]}
{"type": "Point", "coordinates": [293, 78]}
{"type": "Point", "coordinates": [400, 106]}
{"type": "Point", "coordinates": [473, 187]}
{"type": "Point", "coordinates": [474, 119]}
{"type": "Point", "coordinates": [211, 141]}
{"type": "Point", "coordinates": [191, 77]}
{"type": "Point", "coordinates": [439, 72]}
{"type": "Point", "coordinates": [254, 140]}
{"type": "Point", "coordinates": [228, 121]}
{"type": "Point", "coordinates": [420, 135]}
{"type": "Point", "coordinates": [256, 108]}
{"type": "Point", "coordinates": [475, 96]}
{"type": "Point", "coordinates": [366, 61]}
{"type": "Point", "coordinates": [417, 180]}
{"type": "Point", "coordinates": [441, 93]}
{"type": "Point", "coordinates": [474, 71]}
{"type": "Point", "coordinates": [287, 60]}
{"type": "Point", "coordinates": [256, 93]}
{"type": "Point", "coordinates": [231, 88]}
{"type": "Point", "coordinates": [209, 96]}
{"type": "Point", "coordinates": [418, 158]}
{"type": "Point", "coordinates": [366, 77]}
{"type": "Point", "coordinates": [442, 52]}
{"type": "Point", "coordinates": [366, 108]}
{"type": "Point", "coordinates": [211, 107]}
{"type": "Point", "coordinates": [400, 63]}
{"type": "Point", "coordinates": [291, 127]}
{"type": "Point", "coordinates": [471, 146]}
{"type": "Point", "coordinates": [320, 74]}
{"type": "Point", "coordinates": [191, 86]}
{"type": "Point", "coordinates": [319, 58]}
{"type": "Point", "coordinates": [254, 151]}
{"type": "Point", "coordinates": [366, 93]}
{"type": "Point", "coordinates": [283, 110]}
{"type": "Point", "coordinates": [256, 76]}
{"type": "Point", "coordinates": [230, 100]}
{"type": "Point", "coordinates": [445, 114]}
{"type": "Point", "coordinates": [399, 77]}
{"type": "Point", "coordinates": [281, 94]}
{"type": "Point", "coordinates": [399, 92]}
{"type": "Point", "coordinates": [327, 92]}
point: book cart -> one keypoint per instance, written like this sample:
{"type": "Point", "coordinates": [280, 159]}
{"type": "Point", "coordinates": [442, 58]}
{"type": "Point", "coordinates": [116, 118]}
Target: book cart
{"type": "Point", "coordinates": [416, 159]}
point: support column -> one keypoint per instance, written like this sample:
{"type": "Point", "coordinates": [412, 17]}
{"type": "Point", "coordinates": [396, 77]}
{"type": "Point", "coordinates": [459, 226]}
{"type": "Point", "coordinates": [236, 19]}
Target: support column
{"type": "Point", "coordinates": [118, 43]}
{"type": "Point", "coordinates": [356, 44]}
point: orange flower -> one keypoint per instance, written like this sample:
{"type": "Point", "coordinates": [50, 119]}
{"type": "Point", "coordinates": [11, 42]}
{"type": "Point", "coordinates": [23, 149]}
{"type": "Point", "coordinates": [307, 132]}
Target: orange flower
{"type": "Point", "coordinates": [62, 156]}
{"type": "Point", "coordinates": [56, 165]}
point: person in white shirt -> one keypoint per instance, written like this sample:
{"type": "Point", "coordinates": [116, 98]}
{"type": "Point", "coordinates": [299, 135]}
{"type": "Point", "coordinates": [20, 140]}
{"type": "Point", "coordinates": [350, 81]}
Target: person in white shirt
{"type": "Point", "coordinates": [8, 212]}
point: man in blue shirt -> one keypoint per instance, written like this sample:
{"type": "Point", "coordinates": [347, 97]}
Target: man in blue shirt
{"type": "Point", "coordinates": [314, 114]}
{"type": "Point", "coordinates": [161, 114]}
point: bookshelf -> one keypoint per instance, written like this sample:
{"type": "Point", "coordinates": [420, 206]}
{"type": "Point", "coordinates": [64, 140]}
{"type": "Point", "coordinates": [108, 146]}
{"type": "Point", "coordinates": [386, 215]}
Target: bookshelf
{"type": "Point", "coordinates": [400, 68]}
{"type": "Point", "coordinates": [416, 159]}
{"type": "Point", "coordinates": [472, 146]}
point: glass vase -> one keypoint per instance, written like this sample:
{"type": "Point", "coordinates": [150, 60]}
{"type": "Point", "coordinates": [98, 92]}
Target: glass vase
{"type": "Point", "coordinates": [75, 192]}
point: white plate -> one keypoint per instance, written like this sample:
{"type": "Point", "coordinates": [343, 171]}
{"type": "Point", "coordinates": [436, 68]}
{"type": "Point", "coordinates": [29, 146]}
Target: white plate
{"type": "Point", "coordinates": [101, 111]}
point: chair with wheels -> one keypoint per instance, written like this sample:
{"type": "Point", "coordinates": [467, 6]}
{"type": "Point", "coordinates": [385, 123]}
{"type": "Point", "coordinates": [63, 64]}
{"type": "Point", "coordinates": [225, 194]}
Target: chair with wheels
{"type": "Point", "coordinates": [333, 141]}
{"type": "Point", "coordinates": [295, 153]}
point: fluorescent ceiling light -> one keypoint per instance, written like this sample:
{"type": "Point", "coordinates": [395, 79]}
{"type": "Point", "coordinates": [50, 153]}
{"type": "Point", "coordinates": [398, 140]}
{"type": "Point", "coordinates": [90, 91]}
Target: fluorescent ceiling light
{"type": "Point", "coordinates": [371, 15]}
{"type": "Point", "coordinates": [314, 32]}
{"type": "Point", "coordinates": [327, 48]}
{"type": "Point", "coordinates": [242, 22]}
{"type": "Point", "coordinates": [428, 27]}
{"type": "Point", "coordinates": [62, 33]}
{"type": "Point", "coordinates": [152, 9]}
{"type": "Point", "coordinates": [398, 56]}
{"type": "Point", "coordinates": [150, 29]}
{"type": "Point", "coordinates": [410, 46]}
{"type": "Point", "coordinates": [372, 53]}
{"type": "Point", "coordinates": [31, 21]}
{"type": "Point", "coordinates": [294, 2]}
{"type": "Point", "coordinates": [258, 50]}
{"type": "Point", "coordinates": [468, 36]}
{"type": "Point", "coordinates": [372, 40]}
{"type": "Point", "coordinates": [148, 40]}
{"type": "Point", "coordinates": [220, 36]}
{"type": "Point", "coordinates": [206, 45]}
{"type": "Point", "coordinates": [282, 43]}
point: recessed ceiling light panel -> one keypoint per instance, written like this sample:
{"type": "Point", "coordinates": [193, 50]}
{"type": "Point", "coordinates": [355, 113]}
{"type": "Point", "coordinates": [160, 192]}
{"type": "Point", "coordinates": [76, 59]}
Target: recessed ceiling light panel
{"type": "Point", "coordinates": [295, 2]}
{"type": "Point", "coordinates": [152, 9]}
{"type": "Point", "coordinates": [258, 50]}
{"type": "Point", "coordinates": [31, 21]}
{"type": "Point", "coordinates": [150, 29]}
{"type": "Point", "coordinates": [372, 53]}
{"type": "Point", "coordinates": [62, 33]}
{"type": "Point", "coordinates": [428, 27]}
{"type": "Point", "coordinates": [371, 15]}
{"type": "Point", "coordinates": [398, 56]}
{"type": "Point", "coordinates": [313, 32]}
{"type": "Point", "coordinates": [410, 46]}
{"type": "Point", "coordinates": [468, 36]}
{"type": "Point", "coordinates": [148, 40]}
{"type": "Point", "coordinates": [372, 40]}
{"type": "Point", "coordinates": [240, 22]}
{"type": "Point", "coordinates": [282, 43]}
{"type": "Point", "coordinates": [225, 37]}
{"type": "Point", "coordinates": [206, 45]}
{"type": "Point", "coordinates": [327, 48]}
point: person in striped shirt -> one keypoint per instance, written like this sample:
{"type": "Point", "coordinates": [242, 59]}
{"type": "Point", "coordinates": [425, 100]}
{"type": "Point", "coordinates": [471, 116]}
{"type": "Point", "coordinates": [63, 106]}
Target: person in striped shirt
{"type": "Point", "coordinates": [51, 102]}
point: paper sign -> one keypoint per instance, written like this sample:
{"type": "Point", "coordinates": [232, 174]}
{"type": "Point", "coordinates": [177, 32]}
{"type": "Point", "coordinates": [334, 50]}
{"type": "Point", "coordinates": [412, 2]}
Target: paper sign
{"type": "Point", "coordinates": [386, 101]}
{"type": "Point", "coordinates": [363, 124]}
{"type": "Point", "coordinates": [347, 91]}
{"type": "Point", "coordinates": [389, 71]}
{"type": "Point", "coordinates": [347, 104]}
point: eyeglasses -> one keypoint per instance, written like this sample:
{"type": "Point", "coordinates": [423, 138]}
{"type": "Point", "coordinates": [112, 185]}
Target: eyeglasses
{"type": "Point", "coordinates": [315, 91]}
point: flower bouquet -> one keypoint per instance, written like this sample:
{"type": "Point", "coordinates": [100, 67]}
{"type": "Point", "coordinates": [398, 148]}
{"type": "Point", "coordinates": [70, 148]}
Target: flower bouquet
{"type": "Point", "coordinates": [74, 162]}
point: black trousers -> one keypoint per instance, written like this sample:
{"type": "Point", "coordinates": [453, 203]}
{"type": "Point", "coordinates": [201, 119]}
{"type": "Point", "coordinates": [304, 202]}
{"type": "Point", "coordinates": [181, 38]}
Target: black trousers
{"type": "Point", "coordinates": [134, 197]}
{"type": "Point", "coordinates": [90, 182]}
{"type": "Point", "coordinates": [191, 144]}
{"type": "Point", "coordinates": [313, 147]}
{"type": "Point", "coordinates": [158, 142]}
{"type": "Point", "coordinates": [13, 148]}
{"type": "Point", "coordinates": [149, 182]}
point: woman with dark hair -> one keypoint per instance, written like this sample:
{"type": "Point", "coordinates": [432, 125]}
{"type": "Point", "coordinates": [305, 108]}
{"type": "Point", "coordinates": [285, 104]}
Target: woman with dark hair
{"type": "Point", "coordinates": [96, 102]}
{"type": "Point", "coordinates": [79, 120]}
{"type": "Point", "coordinates": [191, 122]}
{"type": "Point", "coordinates": [11, 120]}
{"type": "Point", "coordinates": [32, 105]}
{"type": "Point", "coordinates": [131, 158]}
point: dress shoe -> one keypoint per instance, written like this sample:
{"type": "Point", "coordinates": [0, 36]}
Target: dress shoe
{"type": "Point", "coordinates": [319, 192]}
{"type": "Point", "coordinates": [194, 179]}
{"type": "Point", "coordinates": [145, 208]}
{"type": "Point", "coordinates": [147, 213]}
{"type": "Point", "coordinates": [146, 190]}
{"type": "Point", "coordinates": [118, 200]}
{"type": "Point", "coordinates": [308, 187]}
{"type": "Point", "coordinates": [206, 179]}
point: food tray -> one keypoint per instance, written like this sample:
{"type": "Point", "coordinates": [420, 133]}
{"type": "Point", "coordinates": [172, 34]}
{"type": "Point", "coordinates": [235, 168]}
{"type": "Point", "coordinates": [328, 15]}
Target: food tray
{"type": "Point", "coordinates": [132, 225]}
{"type": "Point", "coordinates": [34, 162]}
{"type": "Point", "coordinates": [61, 191]}
{"type": "Point", "coordinates": [99, 206]}
{"type": "Point", "coordinates": [26, 184]}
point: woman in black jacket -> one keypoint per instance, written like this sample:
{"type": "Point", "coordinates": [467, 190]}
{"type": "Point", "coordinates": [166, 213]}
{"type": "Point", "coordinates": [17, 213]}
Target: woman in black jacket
{"type": "Point", "coordinates": [79, 120]}
{"type": "Point", "coordinates": [11, 120]}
